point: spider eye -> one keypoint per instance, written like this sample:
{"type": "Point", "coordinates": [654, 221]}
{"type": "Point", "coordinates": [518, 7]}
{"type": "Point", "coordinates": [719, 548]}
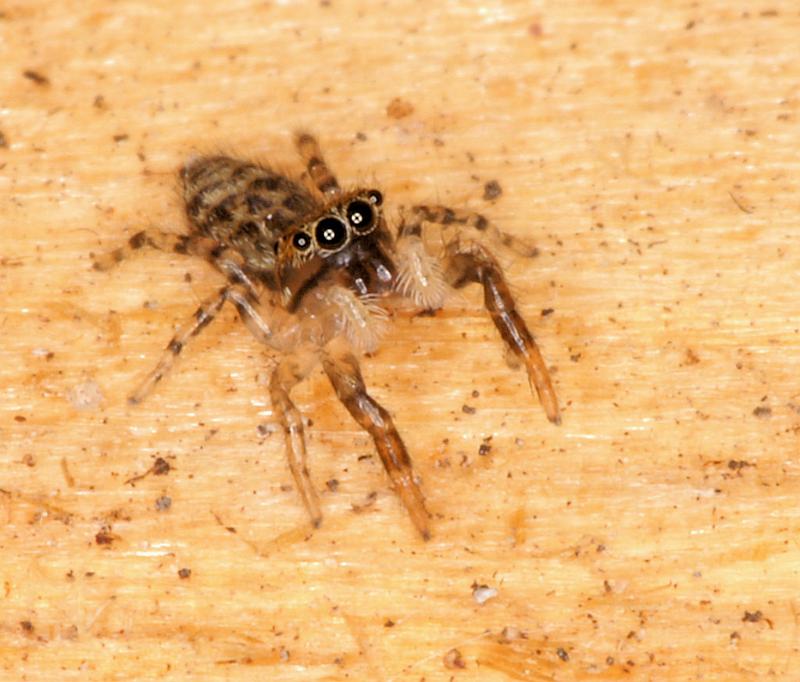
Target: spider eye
{"type": "Point", "coordinates": [375, 197]}
{"type": "Point", "coordinates": [360, 215]}
{"type": "Point", "coordinates": [301, 241]}
{"type": "Point", "coordinates": [331, 233]}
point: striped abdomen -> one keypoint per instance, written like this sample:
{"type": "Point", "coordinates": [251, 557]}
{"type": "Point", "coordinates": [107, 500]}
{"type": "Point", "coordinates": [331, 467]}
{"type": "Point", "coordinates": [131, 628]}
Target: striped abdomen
{"type": "Point", "coordinates": [243, 206]}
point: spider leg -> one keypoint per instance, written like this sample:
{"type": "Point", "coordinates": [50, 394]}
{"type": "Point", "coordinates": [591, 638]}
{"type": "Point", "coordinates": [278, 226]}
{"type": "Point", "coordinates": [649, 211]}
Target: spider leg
{"type": "Point", "coordinates": [342, 369]}
{"type": "Point", "coordinates": [478, 224]}
{"type": "Point", "coordinates": [203, 316]}
{"type": "Point", "coordinates": [322, 177]}
{"type": "Point", "coordinates": [474, 263]}
{"type": "Point", "coordinates": [163, 241]}
{"type": "Point", "coordinates": [227, 260]}
{"type": "Point", "coordinates": [291, 370]}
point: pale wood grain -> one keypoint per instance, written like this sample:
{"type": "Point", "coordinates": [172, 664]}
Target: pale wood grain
{"type": "Point", "coordinates": [651, 152]}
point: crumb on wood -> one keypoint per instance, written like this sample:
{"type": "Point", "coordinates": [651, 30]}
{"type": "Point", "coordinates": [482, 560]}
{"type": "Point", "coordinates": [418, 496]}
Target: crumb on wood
{"type": "Point", "coordinates": [453, 660]}
{"type": "Point", "coordinates": [483, 593]}
{"type": "Point", "coordinates": [86, 395]}
{"type": "Point", "coordinates": [492, 190]}
{"type": "Point", "coordinates": [185, 573]}
{"type": "Point", "coordinates": [399, 108]}
{"type": "Point", "coordinates": [36, 77]}
{"type": "Point", "coordinates": [763, 412]}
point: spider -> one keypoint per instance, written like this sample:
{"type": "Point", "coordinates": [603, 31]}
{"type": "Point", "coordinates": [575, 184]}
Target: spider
{"type": "Point", "coordinates": [312, 271]}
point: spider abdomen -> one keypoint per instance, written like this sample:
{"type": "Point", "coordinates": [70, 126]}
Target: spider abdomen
{"type": "Point", "coordinates": [243, 205]}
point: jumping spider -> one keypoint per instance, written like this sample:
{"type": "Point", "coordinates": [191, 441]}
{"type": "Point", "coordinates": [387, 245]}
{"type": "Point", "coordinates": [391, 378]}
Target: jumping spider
{"type": "Point", "coordinates": [312, 272]}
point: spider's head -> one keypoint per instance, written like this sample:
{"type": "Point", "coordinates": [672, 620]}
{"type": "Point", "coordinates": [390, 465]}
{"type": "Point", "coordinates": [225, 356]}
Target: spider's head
{"type": "Point", "coordinates": [346, 239]}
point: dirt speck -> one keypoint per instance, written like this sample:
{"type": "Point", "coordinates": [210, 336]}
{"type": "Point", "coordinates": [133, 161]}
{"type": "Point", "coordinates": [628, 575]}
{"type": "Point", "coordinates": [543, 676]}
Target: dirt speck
{"type": "Point", "coordinates": [763, 412]}
{"type": "Point", "coordinates": [36, 77]}
{"type": "Point", "coordinates": [185, 573]}
{"type": "Point", "coordinates": [492, 190]}
{"type": "Point", "coordinates": [399, 108]}
{"type": "Point", "coordinates": [453, 660]}
{"type": "Point", "coordinates": [163, 503]}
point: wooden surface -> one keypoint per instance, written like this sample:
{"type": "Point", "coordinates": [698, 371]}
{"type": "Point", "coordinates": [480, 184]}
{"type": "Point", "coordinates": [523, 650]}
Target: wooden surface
{"type": "Point", "coordinates": [651, 154]}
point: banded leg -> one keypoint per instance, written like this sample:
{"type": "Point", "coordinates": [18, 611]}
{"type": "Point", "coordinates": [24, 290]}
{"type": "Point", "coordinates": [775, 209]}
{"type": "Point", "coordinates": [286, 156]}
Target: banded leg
{"type": "Point", "coordinates": [228, 261]}
{"type": "Point", "coordinates": [318, 171]}
{"type": "Point", "coordinates": [475, 264]}
{"type": "Point", "coordinates": [460, 219]}
{"type": "Point", "coordinates": [163, 241]}
{"type": "Point", "coordinates": [203, 316]}
{"type": "Point", "coordinates": [291, 370]}
{"type": "Point", "coordinates": [342, 369]}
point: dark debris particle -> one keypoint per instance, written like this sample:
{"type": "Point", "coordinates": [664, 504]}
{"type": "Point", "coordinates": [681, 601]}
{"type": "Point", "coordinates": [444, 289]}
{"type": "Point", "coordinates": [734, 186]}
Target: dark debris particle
{"type": "Point", "coordinates": [163, 503]}
{"type": "Point", "coordinates": [399, 108]}
{"type": "Point", "coordinates": [492, 190]}
{"type": "Point", "coordinates": [547, 311]}
{"type": "Point", "coordinates": [185, 573]}
{"type": "Point", "coordinates": [739, 464]}
{"type": "Point", "coordinates": [763, 412]}
{"type": "Point", "coordinates": [332, 484]}
{"type": "Point", "coordinates": [562, 654]}
{"type": "Point", "coordinates": [388, 623]}
{"type": "Point", "coordinates": [752, 617]}
{"type": "Point", "coordinates": [104, 538]}
{"type": "Point", "coordinates": [36, 77]}
{"type": "Point", "coordinates": [468, 409]}
{"type": "Point", "coordinates": [484, 449]}
{"type": "Point", "coordinates": [161, 467]}
{"type": "Point", "coordinates": [19, 418]}
{"type": "Point", "coordinates": [453, 660]}
{"type": "Point", "coordinates": [26, 625]}
{"type": "Point", "coordinates": [121, 137]}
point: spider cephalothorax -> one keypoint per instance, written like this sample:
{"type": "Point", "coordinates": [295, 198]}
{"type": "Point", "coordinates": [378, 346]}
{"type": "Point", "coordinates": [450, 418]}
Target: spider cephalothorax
{"type": "Point", "coordinates": [348, 242]}
{"type": "Point", "coordinates": [311, 271]}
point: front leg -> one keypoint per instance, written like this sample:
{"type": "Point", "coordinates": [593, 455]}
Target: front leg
{"type": "Point", "coordinates": [342, 369]}
{"type": "Point", "coordinates": [473, 263]}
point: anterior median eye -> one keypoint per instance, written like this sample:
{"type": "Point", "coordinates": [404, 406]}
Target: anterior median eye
{"type": "Point", "coordinates": [301, 241]}
{"type": "Point", "coordinates": [360, 215]}
{"type": "Point", "coordinates": [330, 233]}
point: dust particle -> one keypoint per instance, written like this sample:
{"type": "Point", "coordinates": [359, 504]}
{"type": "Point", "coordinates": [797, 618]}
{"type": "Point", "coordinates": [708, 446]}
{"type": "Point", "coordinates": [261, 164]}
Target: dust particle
{"type": "Point", "coordinates": [453, 660]}
{"type": "Point", "coordinates": [483, 593]}
{"type": "Point", "coordinates": [399, 108]}
{"type": "Point", "coordinates": [163, 503]}
{"type": "Point", "coordinates": [492, 190]}
{"type": "Point", "coordinates": [185, 573]}
{"type": "Point", "coordinates": [36, 77]}
{"type": "Point", "coordinates": [86, 396]}
{"type": "Point", "coordinates": [763, 412]}
{"type": "Point", "coordinates": [160, 467]}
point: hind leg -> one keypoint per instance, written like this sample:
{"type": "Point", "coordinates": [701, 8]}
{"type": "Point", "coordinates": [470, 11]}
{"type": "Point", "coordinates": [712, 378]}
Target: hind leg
{"type": "Point", "coordinates": [228, 261]}
{"type": "Point", "coordinates": [322, 177]}
{"type": "Point", "coordinates": [202, 317]}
